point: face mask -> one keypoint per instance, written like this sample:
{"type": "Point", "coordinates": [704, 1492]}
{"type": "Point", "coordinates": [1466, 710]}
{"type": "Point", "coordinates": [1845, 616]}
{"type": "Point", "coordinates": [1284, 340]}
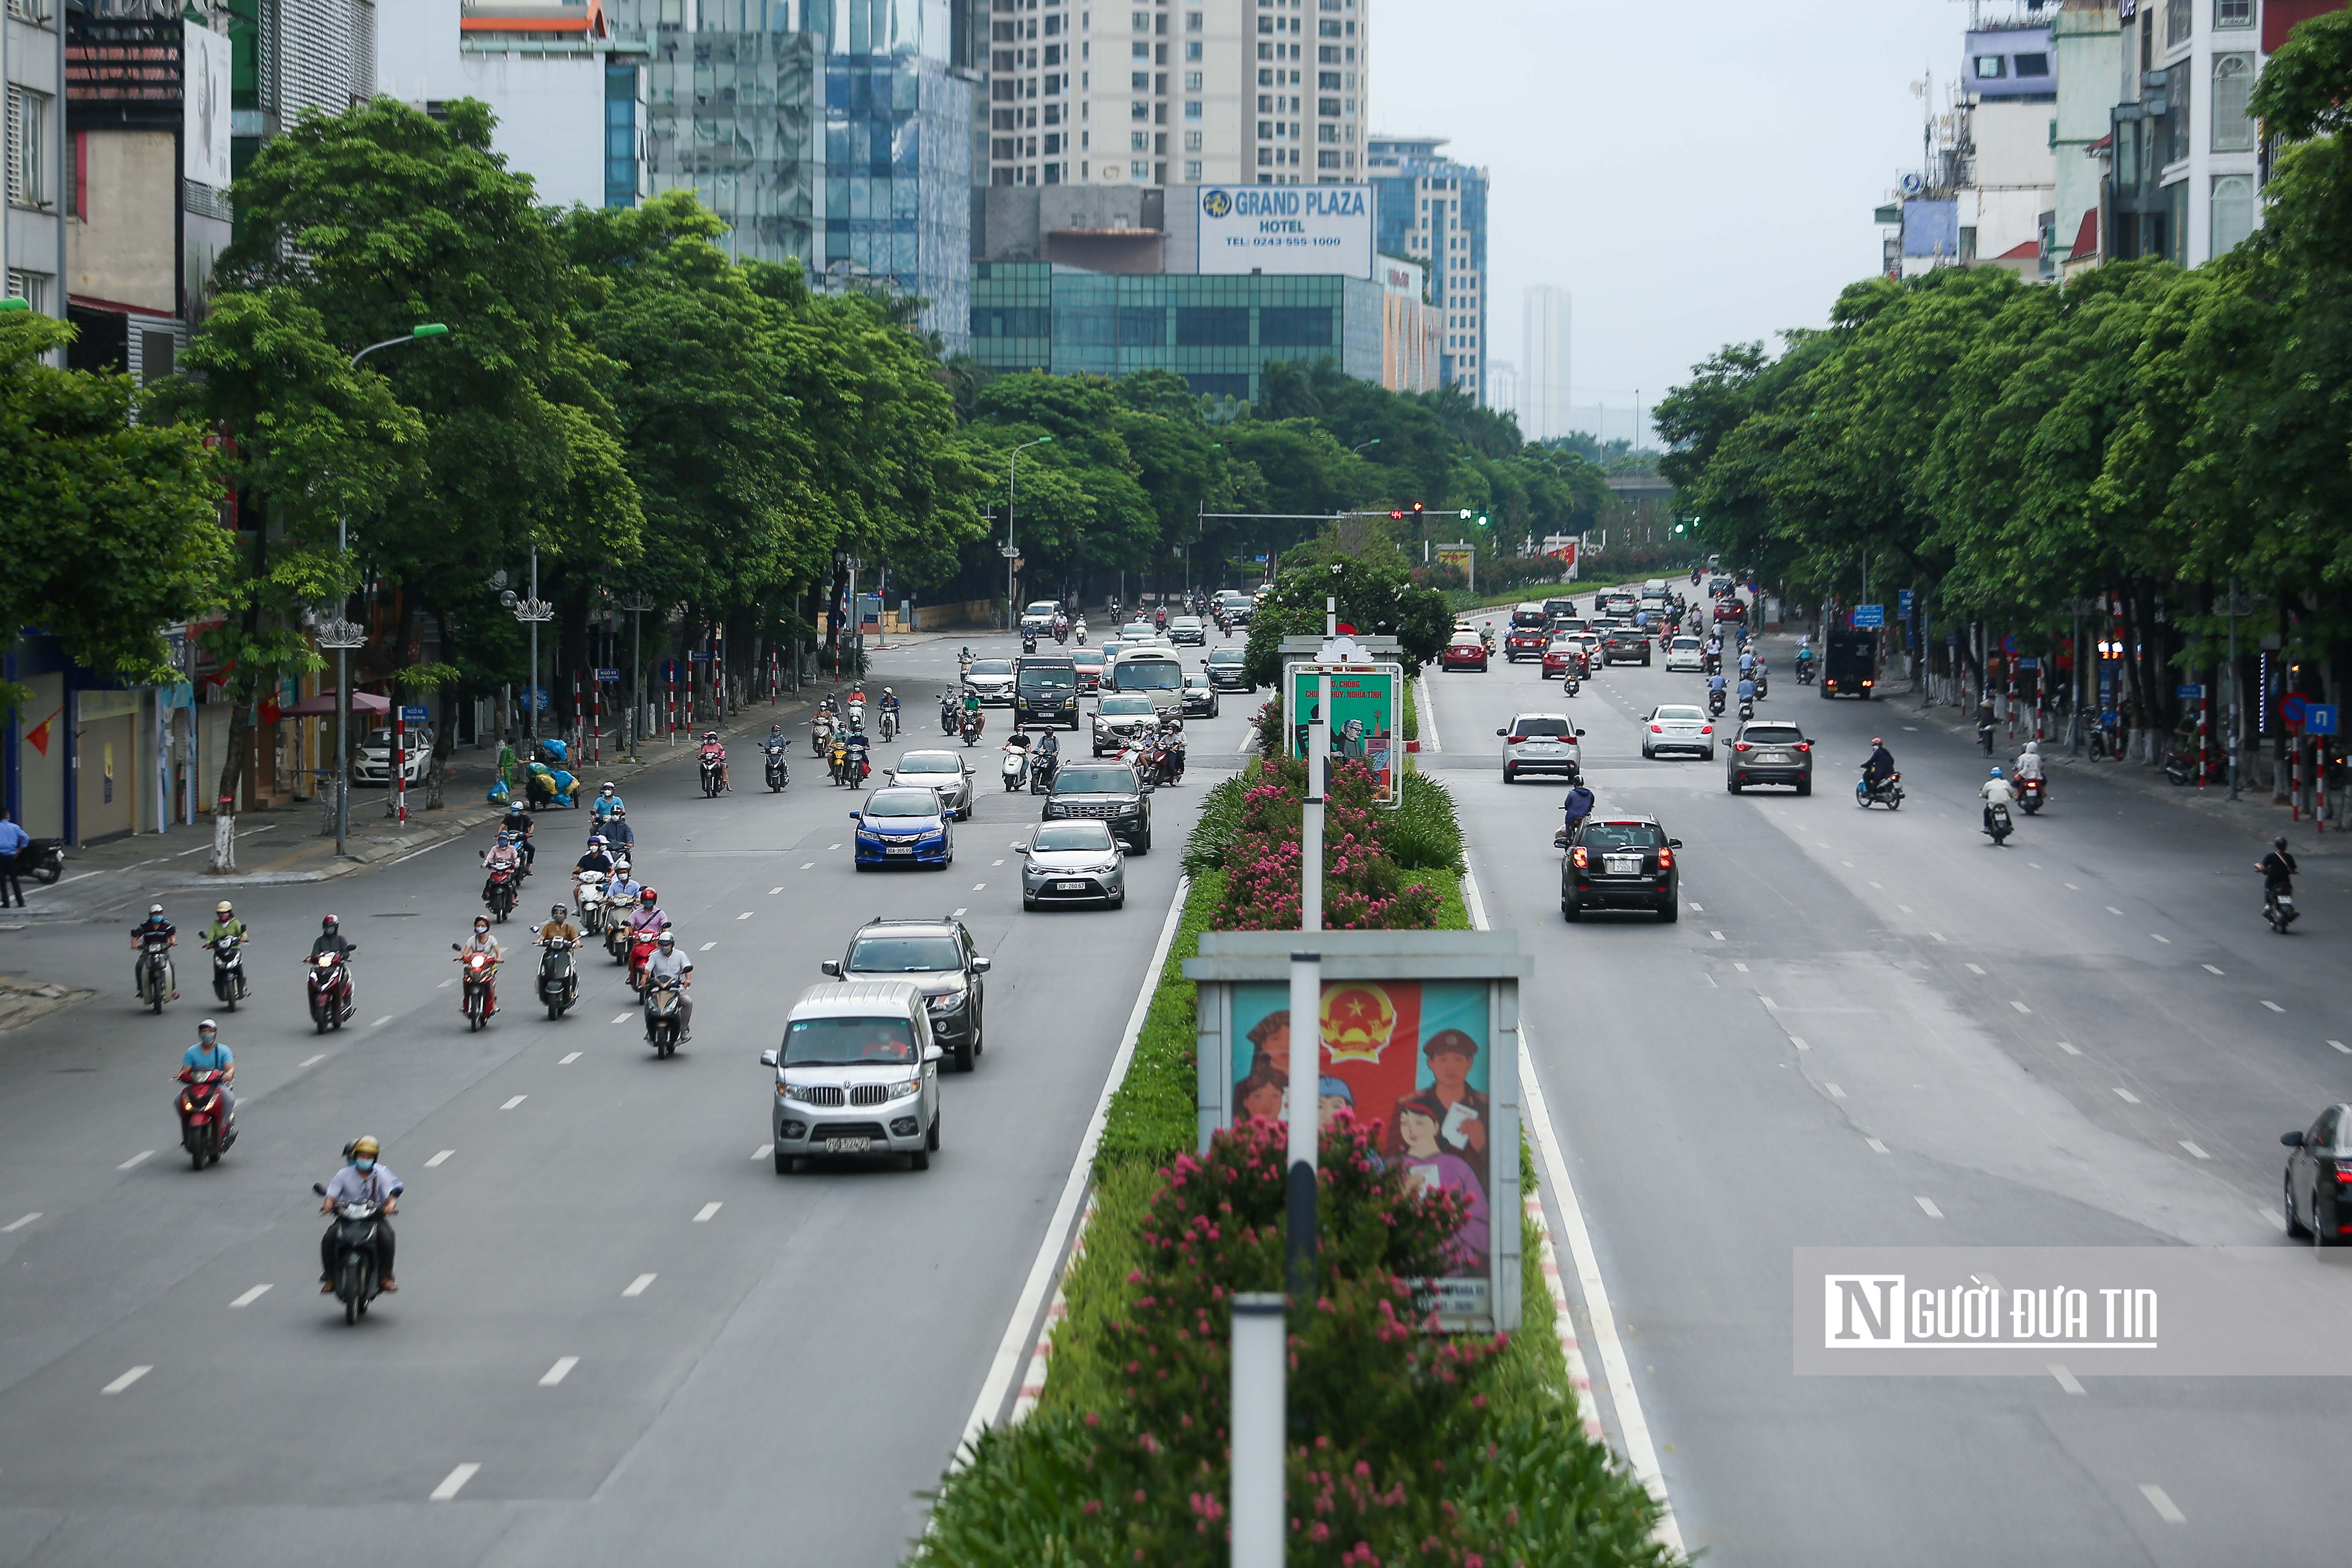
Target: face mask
{"type": "Point", "coordinates": [364, 1166]}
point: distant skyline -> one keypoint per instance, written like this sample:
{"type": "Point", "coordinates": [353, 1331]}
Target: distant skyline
{"type": "Point", "coordinates": [1693, 174]}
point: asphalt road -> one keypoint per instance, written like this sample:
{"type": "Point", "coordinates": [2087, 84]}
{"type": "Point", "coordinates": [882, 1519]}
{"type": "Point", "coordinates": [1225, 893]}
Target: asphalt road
{"type": "Point", "coordinates": [621, 1337]}
{"type": "Point", "coordinates": [1875, 1028]}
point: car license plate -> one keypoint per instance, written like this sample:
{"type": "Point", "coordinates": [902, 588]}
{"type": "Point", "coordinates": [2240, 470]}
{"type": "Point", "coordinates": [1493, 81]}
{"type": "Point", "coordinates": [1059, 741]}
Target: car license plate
{"type": "Point", "coordinates": [908, 851]}
{"type": "Point", "coordinates": [1069, 887]}
{"type": "Point", "coordinates": [1622, 865]}
{"type": "Point", "coordinates": [847, 1146]}
{"type": "Point", "coordinates": [1773, 757]}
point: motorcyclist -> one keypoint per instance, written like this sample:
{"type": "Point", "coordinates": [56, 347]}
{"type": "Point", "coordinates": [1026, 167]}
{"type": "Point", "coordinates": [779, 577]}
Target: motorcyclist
{"type": "Point", "coordinates": [855, 747]}
{"type": "Point", "coordinates": [666, 963]}
{"type": "Point", "coordinates": [1747, 691]}
{"type": "Point", "coordinates": [1804, 657]}
{"type": "Point", "coordinates": [1080, 631]}
{"type": "Point", "coordinates": [711, 748]}
{"type": "Point", "coordinates": [2278, 869]}
{"type": "Point", "coordinates": [647, 916]}
{"type": "Point", "coordinates": [1578, 805]}
{"type": "Point", "coordinates": [1715, 692]}
{"type": "Point", "coordinates": [522, 827]}
{"type": "Point", "coordinates": [156, 925]}
{"type": "Point", "coordinates": [362, 1179]}
{"type": "Point", "coordinates": [484, 942]}
{"type": "Point", "coordinates": [224, 923]}
{"type": "Point", "coordinates": [1881, 765]}
{"type": "Point", "coordinates": [1747, 662]}
{"type": "Point", "coordinates": [1016, 744]}
{"type": "Point", "coordinates": [330, 939]}
{"type": "Point", "coordinates": [890, 706]}
{"type": "Point", "coordinates": [618, 834]}
{"type": "Point", "coordinates": [1995, 791]}
{"type": "Point", "coordinates": [973, 719]}
{"type": "Point", "coordinates": [2029, 763]}
{"type": "Point", "coordinates": [503, 856]}
{"type": "Point", "coordinates": [622, 889]}
{"type": "Point", "coordinates": [1985, 722]}
{"type": "Point", "coordinates": [598, 858]}
{"type": "Point", "coordinates": [558, 926]}
{"type": "Point", "coordinates": [1046, 757]}
{"type": "Point", "coordinates": [208, 1055]}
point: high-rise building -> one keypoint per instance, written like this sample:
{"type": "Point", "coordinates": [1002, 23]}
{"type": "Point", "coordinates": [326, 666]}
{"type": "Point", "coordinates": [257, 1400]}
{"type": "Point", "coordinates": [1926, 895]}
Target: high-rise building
{"type": "Point", "coordinates": [1544, 380]}
{"type": "Point", "coordinates": [32, 137]}
{"type": "Point", "coordinates": [1159, 92]}
{"type": "Point", "coordinates": [1433, 210]}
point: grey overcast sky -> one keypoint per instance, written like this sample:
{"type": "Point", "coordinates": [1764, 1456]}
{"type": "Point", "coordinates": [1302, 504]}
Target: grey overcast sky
{"type": "Point", "coordinates": [1696, 172]}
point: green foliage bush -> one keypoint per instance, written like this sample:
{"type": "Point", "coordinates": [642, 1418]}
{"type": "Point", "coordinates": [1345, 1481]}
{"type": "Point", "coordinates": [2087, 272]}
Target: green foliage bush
{"type": "Point", "coordinates": [1424, 834]}
{"type": "Point", "coordinates": [1219, 822]}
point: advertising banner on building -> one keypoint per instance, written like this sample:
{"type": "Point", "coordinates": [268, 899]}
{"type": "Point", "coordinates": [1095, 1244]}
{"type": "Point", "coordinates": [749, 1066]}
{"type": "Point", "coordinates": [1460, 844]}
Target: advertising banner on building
{"type": "Point", "coordinates": [204, 107]}
{"type": "Point", "coordinates": [1323, 230]}
{"type": "Point", "coordinates": [1366, 715]}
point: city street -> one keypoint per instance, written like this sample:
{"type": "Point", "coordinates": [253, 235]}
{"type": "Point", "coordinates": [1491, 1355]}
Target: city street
{"type": "Point", "coordinates": [621, 1336]}
{"type": "Point", "coordinates": [1875, 1028]}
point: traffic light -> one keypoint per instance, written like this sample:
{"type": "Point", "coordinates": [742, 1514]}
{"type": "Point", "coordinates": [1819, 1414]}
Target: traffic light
{"type": "Point", "coordinates": [1417, 510]}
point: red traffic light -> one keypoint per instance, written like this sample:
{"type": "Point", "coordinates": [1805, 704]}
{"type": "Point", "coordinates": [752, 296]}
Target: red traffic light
{"type": "Point", "coordinates": [1418, 509]}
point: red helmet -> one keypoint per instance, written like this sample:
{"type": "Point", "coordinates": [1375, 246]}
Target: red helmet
{"type": "Point", "coordinates": [645, 896]}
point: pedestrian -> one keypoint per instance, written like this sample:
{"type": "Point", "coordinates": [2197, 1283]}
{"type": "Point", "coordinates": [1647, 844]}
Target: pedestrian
{"type": "Point", "coordinates": [12, 840]}
{"type": "Point", "coordinates": [507, 769]}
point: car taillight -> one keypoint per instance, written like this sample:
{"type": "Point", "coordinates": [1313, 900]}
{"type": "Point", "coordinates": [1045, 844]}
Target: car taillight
{"type": "Point", "coordinates": [1513, 739]}
{"type": "Point", "coordinates": [1870, 683]}
{"type": "Point", "coordinates": [1740, 746]}
{"type": "Point", "coordinates": [1706, 729]}
{"type": "Point", "coordinates": [1665, 859]}
{"type": "Point", "coordinates": [1657, 730]}
{"type": "Point", "coordinates": [2344, 1170]}
{"type": "Point", "coordinates": [1804, 745]}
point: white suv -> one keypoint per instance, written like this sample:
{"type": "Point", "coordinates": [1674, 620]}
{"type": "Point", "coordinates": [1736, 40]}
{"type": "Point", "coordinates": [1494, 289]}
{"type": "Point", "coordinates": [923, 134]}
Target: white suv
{"type": "Point", "coordinates": [1685, 653]}
{"type": "Point", "coordinates": [1542, 743]}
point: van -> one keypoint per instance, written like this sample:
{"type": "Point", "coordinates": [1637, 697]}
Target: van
{"type": "Point", "coordinates": [1148, 671]}
{"type": "Point", "coordinates": [1045, 690]}
{"type": "Point", "coordinates": [858, 1073]}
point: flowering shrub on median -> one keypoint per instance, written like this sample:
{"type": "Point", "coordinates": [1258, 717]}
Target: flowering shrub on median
{"type": "Point", "coordinates": [1363, 888]}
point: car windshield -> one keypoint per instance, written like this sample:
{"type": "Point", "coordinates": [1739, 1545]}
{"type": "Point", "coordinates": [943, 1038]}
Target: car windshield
{"type": "Point", "coordinates": [1603, 836]}
{"type": "Point", "coordinates": [1559, 727]}
{"type": "Point", "coordinates": [848, 1042]}
{"type": "Point", "coordinates": [991, 666]}
{"type": "Point", "coordinates": [1091, 659]}
{"type": "Point", "coordinates": [1074, 836]}
{"type": "Point", "coordinates": [1225, 656]}
{"type": "Point", "coordinates": [1147, 675]}
{"type": "Point", "coordinates": [903, 954]}
{"type": "Point", "coordinates": [1052, 677]}
{"type": "Point", "coordinates": [1690, 714]}
{"type": "Point", "coordinates": [930, 762]}
{"type": "Point", "coordinates": [903, 802]}
{"type": "Point", "coordinates": [1123, 707]}
{"type": "Point", "coordinates": [1772, 734]}
{"type": "Point", "coordinates": [1096, 781]}
{"type": "Point", "coordinates": [1464, 639]}
{"type": "Point", "coordinates": [1185, 621]}
{"type": "Point", "coordinates": [1196, 682]}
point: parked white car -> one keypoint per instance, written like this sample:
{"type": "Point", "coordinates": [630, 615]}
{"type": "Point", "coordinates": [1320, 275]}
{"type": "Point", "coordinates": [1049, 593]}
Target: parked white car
{"type": "Point", "coordinates": [373, 756]}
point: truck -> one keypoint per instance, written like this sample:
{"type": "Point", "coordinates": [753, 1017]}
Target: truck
{"type": "Point", "coordinates": [1849, 663]}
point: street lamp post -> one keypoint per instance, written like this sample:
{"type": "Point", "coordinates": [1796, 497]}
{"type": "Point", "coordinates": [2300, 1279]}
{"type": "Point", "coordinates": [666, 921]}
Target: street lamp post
{"type": "Point", "coordinates": [637, 604]}
{"type": "Point", "coordinates": [1012, 551]}
{"type": "Point", "coordinates": [531, 612]}
{"type": "Point", "coordinates": [417, 334]}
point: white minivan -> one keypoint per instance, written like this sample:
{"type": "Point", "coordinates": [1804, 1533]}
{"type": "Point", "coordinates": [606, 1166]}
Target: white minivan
{"type": "Point", "coordinates": [858, 1074]}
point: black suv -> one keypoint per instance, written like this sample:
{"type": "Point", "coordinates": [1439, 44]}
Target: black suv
{"type": "Point", "coordinates": [1619, 863]}
{"type": "Point", "coordinates": [1226, 670]}
{"type": "Point", "coordinates": [939, 958]}
{"type": "Point", "coordinates": [1108, 792]}
{"type": "Point", "coordinates": [1626, 645]}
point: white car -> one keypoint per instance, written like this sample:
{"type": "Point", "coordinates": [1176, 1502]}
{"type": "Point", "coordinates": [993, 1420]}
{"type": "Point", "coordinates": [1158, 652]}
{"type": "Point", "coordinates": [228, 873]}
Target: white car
{"type": "Point", "coordinates": [1678, 727]}
{"type": "Point", "coordinates": [1686, 653]}
{"type": "Point", "coordinates": [374, 762]}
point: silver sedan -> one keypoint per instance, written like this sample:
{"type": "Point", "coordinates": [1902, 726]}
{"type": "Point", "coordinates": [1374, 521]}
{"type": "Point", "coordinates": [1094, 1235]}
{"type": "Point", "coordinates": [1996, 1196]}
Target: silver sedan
{"type": "Point", "coordinates": [943, 771]}
{"type": "Point", "coordinates": [1074, 861]}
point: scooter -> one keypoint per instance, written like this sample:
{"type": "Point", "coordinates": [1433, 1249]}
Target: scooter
{"type": "Point", "coordinates": [1016, 768]}
{"type": "Point", "coordinates": [1888, 792]}
{"type": "Point", "coordinates": [1042, 769]}
{"type": "Point", "coordinates": [588, 897]}
{"type": "Point", "coordinates": [228, 971]}
{"type": "Point", "coordinates": [1079, 632]}
{"type": "Point", "coordinates": [821, 734]}
{"type": "Point", "coordinates": [1747, 709]}
{"type": "Point", "coordinates": [2278, 907]}
{"type": "Point", "coordinates": [665, 1016]}
{"type": "Point", "coordinates": [641, 948]}
{"type": "Point", "coordinates": [890, 724]}
{"type": "Point", "coordinates": [1715, 704]}
{"type": "Point", "coordinates": [1804, 672]}
{"type": "Point", "coordinates": [476, 976]}
{"type": "Point", "coordinates": [856, 712]}
{"type": "Point", "coordinates": [559, 977]}
{"type": "Point", "coordinates": [499, 891]}
{"type": "Point", "coordinates": [1028, 639]}
{"type": "Point", "coordinates": [1571, 684]}
{"type": "Point", "coordinates": [616, 936]}
{"type": "Point", "coordinates": [2032, 794]}
{"type": "Point", "coordinates": [950, 713]}
{"type": "Point", "coordinates": [205, 1132]}
{"type": "Point", "coordinates": [1997, 826]}
{"type": "Point", "coordinates": [330, 989]}
{"type": "Point", "coordinates": [43, 859]}
{"type": "Point", "coordinates": [779, 772]}
{"type": "Point", "coordinates": [154, 970]}
{"type": "Point", "coordinates": [355, 1278]}
{"type": "Point", "coordinates": [974, 723]}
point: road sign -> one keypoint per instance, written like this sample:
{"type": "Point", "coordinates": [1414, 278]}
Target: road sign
{"type": "Point", "coordinates": [1869, 615]}
{"type": "Point", "coordinates": [1903, 602]}
{"type": "Point", "coordinates": [2028, 662]}
{"type": "Point", "coordinates": [2293, 709]}
{"type": "Point", "coordinates": [608, 674]}
{"type": "Point", "coordinates": [697, 655]}
{"type": "Point", "coordinates": [2188, 693]}
{"type": "Point", "coordinates": [536, 696]}
{"type": "Point", "coordinates": [413, 715]}
{"type": "Point", "coordinates": [2319, 719]}
{"type": "Point", "coordinates": [2008, 645]}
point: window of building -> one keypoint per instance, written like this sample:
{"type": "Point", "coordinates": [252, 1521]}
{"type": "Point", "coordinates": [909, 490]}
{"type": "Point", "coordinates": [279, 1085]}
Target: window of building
{"type": "Point", "coordinates": [1193, 51]}
{"type": "Point", "coordinates": [2177, 21]}
{"type": "Point", "coordinates": [1139, 171]}
{"type": "Point", "coordinates": [1139, 111]}
{"type": "Point", "coordinates": [2233, 13]}
{"type": "Point", "coordinates": [1191, 81]}
{"type": "Point", "coordinates": [2176, 133]}
{"type": "Point", "coordinates": [1327, 29]}
{"type": "Point", "coordinates": [2233, 89]}
{"type": "Point", "coordinates": [2033, 65]}
{"type": "Point", "coordinates": [1328, 107]}
{"type": "Point", "coordinates": [1213, 326]}
{"type": "Point", "coordinates": [28, 148]}
{"type": "Point", "coordinates": [1191, 141]}
{"type": "Point", "coordinates": [1193, 171]}
{"type": "Point", "coordinates": [1139, 50]}
{"type": "Point", "coordinates": [1326, 133]}
{"type": "Point", "coordinates": [1992, 67]}
{"type": "Point", "coordinates": [1327, 160]}
{"type": "Point", "coordinates": [1265, 156]}
{"type": "Point", "coordinates": [2233, 211]}
{"type": "Point", "coordinates": [1193, 22]}
{"type": "Point", "coordinates": [1192, 110]}
{"type": "Point", "coordinates": [1139, 141]}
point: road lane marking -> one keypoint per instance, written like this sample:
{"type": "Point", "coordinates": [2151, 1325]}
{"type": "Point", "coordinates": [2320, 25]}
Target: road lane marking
{"type": "Point", "coordinates": [833, 846]}
{"type": "Point", "coordinates": [957, 914]}
{"type": "Point", "coordinates": [1799, 1042]}
{"type": "Point", "coordinates": [140, 1158]}
{"type": "Point", "coordinates": [1881, 885]}
{"type": "Point", "coordinates": [2021, 1006]}
{"type": "Point", "coordinates": [708, 945]}
{"type": "Point", "coordinates": [763, 1151]}
{"type": "Point", "coordinates": [2068, 1046]}
{"type": "Point", "coordinates": [2341, 1046]}
{"type": "Point", "coordinates": [2194, 1151]}
{"type": "Point", "coordinates": [1835, 1092]}
{"type": "Point", "coordinates": [510, 1104]}
{"type": "Point", "coordinates": [2166, 1509]}
{"type": "Point", "coordinates": [126, 1380]}
{"type": "Point", "coordinates": [1928, 1206]}
{"type": "Point", "coordinates": [380, 1023]}
{"type": "Point", "coordinates": [455, 1482]}
{"type": "Point", "coordinates": [620, 1017]}
{"type": "Point", "coordinates": [1743, 968]}
{"type": "Point", "coordinates": [979, 887]}
{"type": "Point", "coordinates": [744, 916]}
{"type": "Point", "coordinates": [1875, 1146]}
{"type": "Point", "coordinates": [311, 1061]}
{"type": "Point", "coordinates": [2127, 1096]}
{"type": "Point", "coordinates": [2065, 1379]}
{"type": "Point", "coordinates": [559, 1372]}
{"type": "Point", "coordinates": [1972, 969]}
{"type": "Point", "coordinates": [2070, 888]}
{"type": "Point", "coordinates": [565, 1062]}
{"type": "Point", "coordinates": [996, 862]}
{"type": "Point", "coordinates": [811, 865]}
{"type": "Point", "coordinates": [773, 891]}
{"type": "Point", "coordinates": [2113, 910]}
{"type": "Point", "coordinates": [2036, 864]}
{"type": "Point", "coordinates": [1905, 907]}
{"type": "Point", "coordinates": [2272, 1006]}
{"type": "Point", "coordinates": [250, 1296]}
{"type": "Point", "coordinates": [637, 1287]}
{"type": "Point", "coordinates": [702, 1216]}
{"type": "Point", "coordinates": [2166, 939]}
{"type": "Point", "coordinates": [438, 1158]}
{"type": "Point", "coordinates": [2209, 969]}
{"type": "Point", "coordinates": [1936, 934]}
{"type": "Point", "coordinates": [1698, 909]}
{"type": "Point", "coordinates": [1716, 935]}
{"type": "Point", "coordinates": [17, 1225]}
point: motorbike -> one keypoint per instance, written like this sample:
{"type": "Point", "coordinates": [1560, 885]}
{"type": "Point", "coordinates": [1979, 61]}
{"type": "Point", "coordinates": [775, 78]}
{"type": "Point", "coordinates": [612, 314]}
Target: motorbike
{"type": "Point", "coordinates": [205, 1132]}
{"type": "Point", "coordinates": [355, 1276]}
{"type": "Point", "coordinates": [890, 724]}
{"type": "Point", "coordinates": [1080, 633]}
{"type": "Point", "coordinates": [1042, 769]}
{"type": "Point", "coordinates": [499, 893]}
{"type": "Point", "coordinates": [950, 713]}
{"type": "Point", "coordinates": [665, 1016]}
{"type": "Point", "coordinates": [856, 711]}
{"type": "Point", "coordinates": [849, 764]}
{"type": "Point", "coordinates": [616, 936]}
{"type": "Point", "coordinates": [43, 859]}
{"type": "Point", "coordinates": [1804, 672]}
{"type": "Point", "coordinates": [154, 970]}
{"type": "Point", "coordinates": [1571, 684]}
{"type": "Point", "coordinates": [1747, 709]}
{"type": "Point", "coordinates": [1997, 826]}
{"type": "Point", "coordinates": [329, 985]}
{"type": "Point", "coordinates": [2278, 907]}
{"type": "Point", "coordinates": [779, 772]}
{"type": "Point", "coordinates": [1887, 792]}
{"type": "Point", "coordinates": [821, 734]}
{"type": "Point", "coordinates": [1715, 703]}
{"type": "Point", "coordinates": [476, 976]}
{"type": "Point", "coordinates": [1028, 639]}
{"type": "Point", "coordinates": [2032, 794]}
{"type": "Point", "coordinates": [1061, 631]}
{"type": "Point", "coordinates": [1763, 684]}
{"type": "Point", "coordinates": [588, 897]}
{"type": "Point", "coordinates": [641, 948]}
{"type": "Point", "coordinates": [229, 970]}
{"type": "Point", "coordinates": [973, 723]}
{"type": "Point", "coordinates": [713, 781]}
{"type": "Point", "coordinates": [559, 977]}
{"type": "Point", "coordinates": [1016, 768]}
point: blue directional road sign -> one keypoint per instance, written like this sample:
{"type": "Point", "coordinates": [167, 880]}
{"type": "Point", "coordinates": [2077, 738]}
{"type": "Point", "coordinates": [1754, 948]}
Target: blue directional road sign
{"type": "Point", "coordinates": [2319, 719]}
{"type": "Point", "coordinates": [410, 715]}
{"type": "Point", "coordinates": [2028, 662]}
{"type": "Point", "coordinates": [1903, 602]}
{"type": "Point", "coordinates": [608, 674]}
{"type": "Point", "coordinates": [2188, 693]}
{"type": "Point", "coordinates": [1866, 615]}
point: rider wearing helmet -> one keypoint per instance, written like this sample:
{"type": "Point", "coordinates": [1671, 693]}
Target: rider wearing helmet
{"type": "Point", "coordinates": [2029, 761]}
{"type": "Point", "coordinates": [598, 857]}
{"type": "Point", "coordinates": [1995, 791]}
{"type": "Point", "coordinates": [208, 1055]}
{"type": "Point", "coordinates": [156, 925]}
{"type": "Point", "coordinates": [2277, 868]}
{"type": "Point", "coordinates": [558, 926]}
{"type": "Point", "coordinates": [667, 963]}
{"type": "Point", "coordinates": [711, 748]}
{"type": "Point", "coordinates": [1881, 765]}
{"type": "Point", "coordinates": [520, 825]}
{"type": "Point", "coordinates": [605, 804]}
{"type": "Point", "coordinates": [362, 1179]}
{"type": "Point", "coordinates": [224, 923]}
{"type": "Point", "coordinates": [330, 939]}
{"type": "Point", "coordinates": [482, 942]}
{"type": "Point", "coordinates": [647, 916]}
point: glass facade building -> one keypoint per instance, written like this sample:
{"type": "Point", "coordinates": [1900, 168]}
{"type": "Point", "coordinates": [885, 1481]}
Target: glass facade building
{"type": "Point", "coordinates": [1218, 333]}
{"type": "Point", "coordinates": [1432, 210]}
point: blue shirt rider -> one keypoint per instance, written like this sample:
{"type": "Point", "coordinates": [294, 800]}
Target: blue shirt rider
{"type": "Point", "coordinates": [1578, 805]}
{"type": "Point", "coordinates": [1747, 690]}
{"type": "Point", "coordinates": [605, 804]}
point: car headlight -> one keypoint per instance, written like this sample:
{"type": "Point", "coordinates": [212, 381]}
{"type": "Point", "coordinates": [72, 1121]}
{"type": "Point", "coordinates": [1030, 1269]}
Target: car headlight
{"type": "Point", "coordinates": [868, 836]}
{"type": "Point", "coordinates": [946, 1002]}
{"type": "Point", "coordinates": [1129, 808]}
{"type": "Point", "coordinates": [1105, 869]}
{"type": "Point", "coordinates": [905, 1089]}
{"type": "Point", "coordinates": [796, 1091]}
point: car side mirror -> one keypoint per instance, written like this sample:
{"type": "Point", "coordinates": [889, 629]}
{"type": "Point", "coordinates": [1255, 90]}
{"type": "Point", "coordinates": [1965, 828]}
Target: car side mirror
{"type": "Point", "coordinates": [831, 966]}
{"type": "Point", "coordinates": [1502, 731]}
{"type": "Point", "coordinates": [856, 817]}
{"type": "Point", "coordinates": [767, 1059]}
{"type": "Point", "coordinates": [1150, 789]}
{"type": "Point", "coordinates": [2292, 1139]}
{"type": "Point", "coordinates": [982, 965]}
{"type": "Point", "coordinates": [1580, 735]}
{"type": "Point", "coordinates": [1674, 843]}
{"type": "Point", "coordinates": [932, 1054]}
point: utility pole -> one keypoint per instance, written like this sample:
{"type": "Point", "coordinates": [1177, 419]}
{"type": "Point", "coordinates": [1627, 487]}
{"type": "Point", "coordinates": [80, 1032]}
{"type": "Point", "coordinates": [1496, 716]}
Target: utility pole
{"type": "Point", "coordinates": [637, 604]}
{"type": "Point", "coordinates": [1011, 550]}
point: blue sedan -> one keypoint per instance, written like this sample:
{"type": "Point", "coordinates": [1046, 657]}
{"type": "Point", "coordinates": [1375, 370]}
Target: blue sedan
{"type": "Point", "coordinates": [904, 827]}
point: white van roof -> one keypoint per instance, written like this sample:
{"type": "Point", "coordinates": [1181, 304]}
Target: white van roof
{"type": "Point", "coordinates": [860, 999]}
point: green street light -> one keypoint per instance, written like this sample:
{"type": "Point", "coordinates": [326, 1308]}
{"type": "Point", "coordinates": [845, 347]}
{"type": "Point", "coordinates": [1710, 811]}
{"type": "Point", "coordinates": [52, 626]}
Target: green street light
{"type": "Point", "coordinates": [13, 303]}
{"type": "Point", "coordinates": [1361, 444]}
{"type": "Point", "coordinates": [427, 330]}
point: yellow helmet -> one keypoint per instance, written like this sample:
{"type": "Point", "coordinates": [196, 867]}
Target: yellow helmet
{"type": "Point", "coordinates": [365, 1145]}
{"type": "Point", "coordinates": [222, 907]}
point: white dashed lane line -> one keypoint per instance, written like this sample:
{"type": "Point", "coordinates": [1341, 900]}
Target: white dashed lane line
{"type": "Point", "coordinates": [1799, 1042]}
{"type": "Point", "coordinates": [744, 916]}
{"type": "Point", "coordinates": [1971, 968]}
{"type": "Point", "coordinates": [1716, 935]}
{"type": "Point", "coordinates": [620, 1017]}
{"type": "Point", "coordinates": [773, 891]}
{"type": "Point", "coordinates": [1936, 934]}
{"type": "Point", "coordinates": [2021, 1006]}
{"type": "Point", "coordinates": [2272, 1006]}
{"type": "Point", "coordinates": [2341, 1046]}
{"type": "Point", "coordinates": [2065, 1379]}
{"type": "Point", "coordinates": [2195, 1153]}
{"type": "Point", "coordinates": [763, 1151]}
{"type": "Point", "coordinates": [2166, 1509]}
{"type": "Point", "coordinates": [455, 1482]}
{"type": "Point", "coordinates": [2209, 969]}
{"type": "Point", "coordinates": [702, 1216]}
{"type": "Point", "coordinates": [380, 1023]}
{"type": "Point", "coordinates": [17, 1225]}
{"type": "Point", "coordinates": [311, 1061]}
{"type": "Point", "coordinates": [510, 1104]}
{"type": "Point", "coordinates": [1928, 1206]}
{"type": "Point", "coordinates": [980, 886]}
{"type": "Point", "coordinates": [2166, 939]}
{"type": "Point", "coordinates": [2069, 1048]}
{"type": "Point", "coordinates": [811, 865]}
{"type": "Point", "coordinates": [140, 1158]}
{"type": "Point", "coordinates": [126, 1380]}
{"type": "Point", "coordinates": [559, 1372]}
{"type": "Point", "coordinates": [250, 1296]}
{"type": "Point", "coordinates": [708, 945]}
{"type": "Point", "coordinates": [637, 1287]}
{"type": "Point", "coordinates": [567, 1059]}
{"type": "Point", "coordinates": [2127, 1096]}
{"type": "Point", "coordinates": [1835, 1092]}
{"type": "Point", "coordinates": [1875, 1146]}
{"type": "Point", "coordinates": [438, 1158]}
